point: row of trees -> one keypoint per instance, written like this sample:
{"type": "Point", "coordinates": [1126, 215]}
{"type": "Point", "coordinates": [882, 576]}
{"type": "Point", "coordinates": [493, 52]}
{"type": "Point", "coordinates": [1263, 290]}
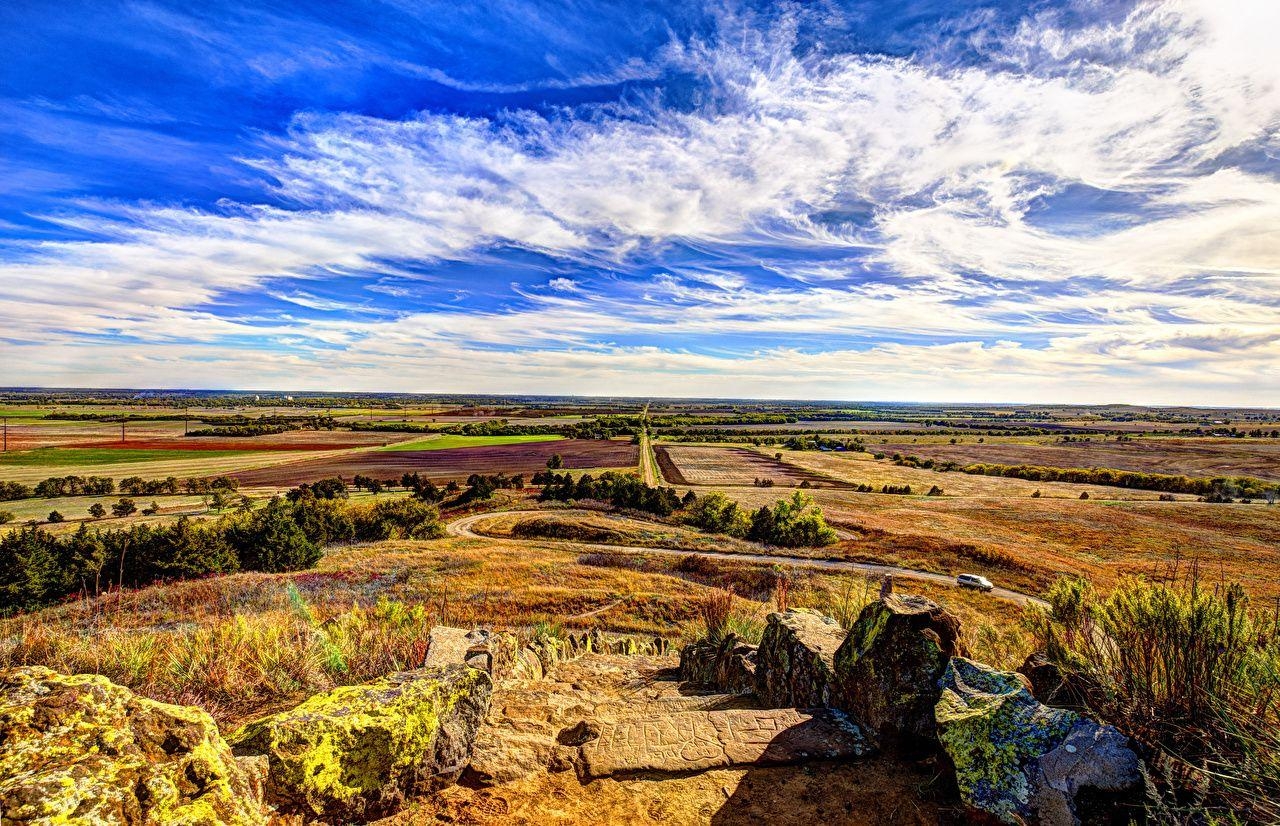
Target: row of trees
{"type": "Point", "coordinates": [38, 567]}
{"type": "Point", "coordinates": [1220, 488]}
{"type": "Point", "coordinates": [622, 490]}
{"type": "Point", "coordinates": [795, 522]}
{"type": "Point", "coordinates": [73, 485]}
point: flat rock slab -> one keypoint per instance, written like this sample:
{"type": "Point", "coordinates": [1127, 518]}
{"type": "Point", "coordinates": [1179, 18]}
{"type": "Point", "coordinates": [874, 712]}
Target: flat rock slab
{"type": "Point", "coordinates": [700, 740]}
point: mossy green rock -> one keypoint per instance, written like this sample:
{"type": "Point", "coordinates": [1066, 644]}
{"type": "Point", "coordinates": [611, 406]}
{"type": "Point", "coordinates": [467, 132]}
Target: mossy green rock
{"type": "Point", "coordinates": [888, 668]}
{"type": "Point", "coordinates": [359, 752]}
{"type": "Point", "coordinates": [81, 749]}
{"type": "Point", "coordinates": [995, 733]}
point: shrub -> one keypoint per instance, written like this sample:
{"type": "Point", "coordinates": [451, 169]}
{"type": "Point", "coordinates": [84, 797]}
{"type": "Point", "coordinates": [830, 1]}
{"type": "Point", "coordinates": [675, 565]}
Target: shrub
{"type": "Point", "coordinates": [125, 507]}
{"type": "Point", "coordinates": [56, 517]}
{"type": "Point", "coordinates": [97, 511]}
{"type": "Point", "coordinates": [5, 517]}
{"type": "Point", "coordinates": [1191, 672]}
{"type": "Point", "coordinates": [717, 513]}
{"type": "Point", "coordinates": [714, 610]}
{"type": "Point", "coordinates": [791, 523]}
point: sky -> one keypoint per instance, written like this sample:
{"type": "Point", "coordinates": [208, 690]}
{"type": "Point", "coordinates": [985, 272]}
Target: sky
{"type": "Point", "coordinates": [932, 200]}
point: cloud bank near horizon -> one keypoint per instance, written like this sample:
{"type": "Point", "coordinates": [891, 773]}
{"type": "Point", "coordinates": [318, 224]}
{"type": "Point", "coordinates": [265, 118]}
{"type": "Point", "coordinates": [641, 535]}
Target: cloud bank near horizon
{"type": "Point", "coordinates": [915, 201]}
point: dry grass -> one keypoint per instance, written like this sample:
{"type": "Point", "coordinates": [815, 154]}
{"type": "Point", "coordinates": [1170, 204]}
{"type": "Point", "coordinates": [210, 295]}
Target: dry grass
{"type": "Point", "coordinates": [1190, 457]}
{"type": "Point", "coordinates": [860, 468]}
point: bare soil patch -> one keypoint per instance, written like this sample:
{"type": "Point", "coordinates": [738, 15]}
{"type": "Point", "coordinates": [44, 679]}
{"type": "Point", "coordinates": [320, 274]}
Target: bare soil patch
{"type": "Point", "coordinates": [732, 466]}
{"type": "Point", "coordinates": [457, 464]}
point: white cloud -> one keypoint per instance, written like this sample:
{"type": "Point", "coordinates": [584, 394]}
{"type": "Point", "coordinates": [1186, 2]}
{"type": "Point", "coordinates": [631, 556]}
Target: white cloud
{"type": "Point", "coordinates": [949, 163]}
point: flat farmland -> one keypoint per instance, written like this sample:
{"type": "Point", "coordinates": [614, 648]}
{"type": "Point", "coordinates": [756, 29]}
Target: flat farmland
{"type": "Point", "coordinates": [449, 441]}
{"type": "Point", "coordinates": [860, 468]}
{"type": "Point", "coordinates": [732, 466]}
{"type": "Point", "coordinates": [458, 463]}
{"type": "Point", "coordinates": [1193, 457]}
{"type": "Point", "coordinates": [1047, 537]}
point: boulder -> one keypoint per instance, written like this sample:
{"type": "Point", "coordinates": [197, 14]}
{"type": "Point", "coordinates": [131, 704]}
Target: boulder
{"type": "Point", "coordinates": [794, 661]}
{"type": "Point", "coordinates": [1020, 761]}
{"type": "Point", "coordinates": [357, 752]}
{"type": "Point", "coordinates": [887, 669]}
{"type": "Point", "coordinates": [452, 646]}
{"type": "Point", "coordinates": [729, 666]}
{"type": "Point", "coordinates": [81, 749]}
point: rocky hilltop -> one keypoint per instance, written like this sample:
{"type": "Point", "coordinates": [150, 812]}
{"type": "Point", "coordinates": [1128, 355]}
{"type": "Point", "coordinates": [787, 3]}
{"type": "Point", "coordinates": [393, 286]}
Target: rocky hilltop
{"type": "Point", "coordinates": [594, 727]}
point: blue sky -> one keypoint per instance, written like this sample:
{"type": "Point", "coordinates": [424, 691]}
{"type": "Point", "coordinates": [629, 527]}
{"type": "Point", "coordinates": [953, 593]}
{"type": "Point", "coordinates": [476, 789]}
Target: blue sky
{"type": "Point", "coordinates": [907, 200]}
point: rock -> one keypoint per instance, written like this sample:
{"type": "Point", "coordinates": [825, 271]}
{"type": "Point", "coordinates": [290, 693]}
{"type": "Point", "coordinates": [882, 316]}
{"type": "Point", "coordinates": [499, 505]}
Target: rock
{"type": "Point", "coordinates": [357, 752]}
{"type": "Point", "coordinates": [887, 669]}
{"type": "Point", "coordinates": [577, 734]}
{"type": "Point", "coordinates": [729, 666]}
{"type": "Point", "coordinates": [699, 740]}
{"type": "Point", "coordinates": [794, 661]}
{"type": "Point", "coordinates": [452, 646]}
{"type": "Point", "coordinates": [81, 749]}
{"type": "Point", "coordinates": [1018, 760]}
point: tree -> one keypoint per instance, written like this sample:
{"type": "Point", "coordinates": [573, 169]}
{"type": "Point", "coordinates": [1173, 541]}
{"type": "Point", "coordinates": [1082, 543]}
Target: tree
{"type": "Point", "coordinates": [272, 541]}
{"type": "Point", "coordinates": [6, 517]}
{"type": "Point", "coordinates": [152, 509]}
{"type": "Point", "coordinates": [55, 517]}
{"type": "Point", "coordinates": [125, 507]}
{"type": "Point", "coordinates": [97, 511]}
{"type": "Point", "coordinates": [555, 462]}
{"type": "Point", "coordinates": [218, 500]}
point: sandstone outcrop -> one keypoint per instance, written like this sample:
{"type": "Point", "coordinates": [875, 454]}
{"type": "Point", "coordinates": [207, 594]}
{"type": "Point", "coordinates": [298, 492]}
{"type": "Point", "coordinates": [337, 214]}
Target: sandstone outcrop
{"type": "Point", "coordinates": [698, 740]}
{"type": "Point", "coordinates": [794, 663]}
{"type": "Point", "coordinates": [1020, 761]}
{"type": "Point", "coordinates": [81, 749]}
{"type": "Point", "coordinates": [888, 668]}
{"type": "Point", "coordinates": [728, 666]}
{"type": "Point", "coordinates": [357, 752]}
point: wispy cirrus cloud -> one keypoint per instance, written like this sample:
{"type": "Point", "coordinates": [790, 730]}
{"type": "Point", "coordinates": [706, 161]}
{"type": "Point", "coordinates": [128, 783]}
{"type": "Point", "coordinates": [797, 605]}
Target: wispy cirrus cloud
{"type": "Point", "coordinates": [1056, 209]}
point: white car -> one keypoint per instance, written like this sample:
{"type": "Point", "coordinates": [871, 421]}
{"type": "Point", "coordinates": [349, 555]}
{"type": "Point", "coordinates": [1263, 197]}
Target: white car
{"type": "Point", "coordinates": [981, 583]}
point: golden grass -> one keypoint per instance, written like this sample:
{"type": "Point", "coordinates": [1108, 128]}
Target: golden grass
{"type": "Point", "coordinates": [861, 468]}
{"type": "Point", "coordinates": [245, 644]}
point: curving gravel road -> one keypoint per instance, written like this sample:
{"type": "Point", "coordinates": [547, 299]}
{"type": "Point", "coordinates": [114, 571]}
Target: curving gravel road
{"type": "Point", "coordinates": [462, 527]}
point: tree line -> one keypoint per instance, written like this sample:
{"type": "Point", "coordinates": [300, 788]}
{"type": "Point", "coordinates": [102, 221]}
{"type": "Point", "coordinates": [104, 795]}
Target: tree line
{"type": "Point", "coordinates": [1219, 488]}
{"type": "Point", "coordinates": [38, 568]}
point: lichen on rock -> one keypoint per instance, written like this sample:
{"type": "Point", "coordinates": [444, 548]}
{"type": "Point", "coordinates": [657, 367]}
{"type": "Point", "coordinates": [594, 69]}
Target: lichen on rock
{"type": "Point", "coordinates": [1019, 760]}
{"type": "Point", "coordinates": [887, 669]}
{"type": "Point", "coordinates": [360, 751]}
{"type": "Point", "coordinates": [81, 749]}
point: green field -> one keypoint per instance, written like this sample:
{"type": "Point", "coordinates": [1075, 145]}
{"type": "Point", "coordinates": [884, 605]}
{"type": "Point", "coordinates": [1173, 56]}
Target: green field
{"type": "Point", "coordinates": [81, 456]}
{"type": "Point", "coordinates": [449, 442]}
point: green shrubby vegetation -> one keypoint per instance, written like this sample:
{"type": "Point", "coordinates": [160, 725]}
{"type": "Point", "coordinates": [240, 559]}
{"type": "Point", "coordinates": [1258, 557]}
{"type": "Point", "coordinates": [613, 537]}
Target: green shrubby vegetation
{"type": "Point", "coordinates": [38, 567]}
{"type": "Point", "coordinates": [1189, 670]}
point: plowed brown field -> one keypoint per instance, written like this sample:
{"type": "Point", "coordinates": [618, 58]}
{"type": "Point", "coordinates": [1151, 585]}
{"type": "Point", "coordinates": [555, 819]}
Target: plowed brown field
{"type": "Point", "coordinates": [458, 463]}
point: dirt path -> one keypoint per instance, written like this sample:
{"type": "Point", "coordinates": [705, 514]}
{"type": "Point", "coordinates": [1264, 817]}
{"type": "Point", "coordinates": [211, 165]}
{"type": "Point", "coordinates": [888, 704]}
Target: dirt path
{"type": "Point", "coordinates": [463, 528]}
{"type": "Point", "coordinates": [648, 465]}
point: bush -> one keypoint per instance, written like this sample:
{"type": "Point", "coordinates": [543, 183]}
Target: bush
{"type": "Point", "coordinates": [717, 513]}
{"type": "Point", "coordinates": [791, 523]}
{"type": "Point", "coordinates": [1191, 672]}
{"type": "Point", "coordinates": [97, 511]}
{"type": "Point", "coordinates": [56, 517]}
{"type": "Point", "coordinates": [125, 507]}
{"type": "Point", "coordinates": [5, 517]}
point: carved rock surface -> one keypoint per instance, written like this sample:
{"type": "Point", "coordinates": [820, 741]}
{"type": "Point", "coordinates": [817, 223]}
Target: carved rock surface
{"type": "Point", "coordinates": [698, 740]}
{"type": "Point", "coordinates": [887, 669]}
{"type": "Point", "coordinates": [358, 752]}
{"type": "Point", "coordinates": [794, 663]}
{"type": "Point", "coordinates": [1020, 761]}
{"type": "Point", "coordinates": [81, 749]}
